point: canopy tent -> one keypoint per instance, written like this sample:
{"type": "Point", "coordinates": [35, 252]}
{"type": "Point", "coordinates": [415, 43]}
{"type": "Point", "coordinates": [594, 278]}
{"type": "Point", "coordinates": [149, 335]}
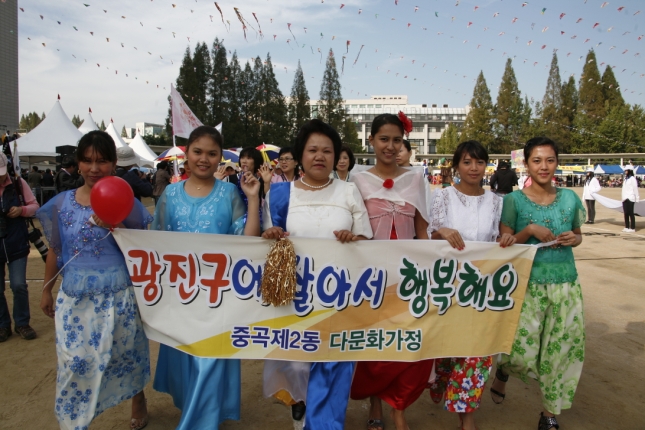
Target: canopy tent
{"type": "Point", "coordinates": [640, 170]}
{"type": "Point", "coordinates": [88, 123]}
{"type": "Point", "coordinates": [41, 142]}
{"type": "Point", "coordinates": [116, 136]}
{"type": "Point", "coordinates": [141, 148]}
{"type": "Point", "coordinates": [607, 169]}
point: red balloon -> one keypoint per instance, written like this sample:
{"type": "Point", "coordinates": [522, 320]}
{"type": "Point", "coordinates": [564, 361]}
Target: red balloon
{"type": "Point", "coordinates": [112, 199]}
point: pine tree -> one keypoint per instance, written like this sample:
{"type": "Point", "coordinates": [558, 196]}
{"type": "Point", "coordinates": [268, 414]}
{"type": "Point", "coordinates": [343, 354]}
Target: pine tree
{"type": "Point", "coordinates": [123, 132]}
{"type": "Point", "coordinates": [202, 70]}
{"type": "Point", "coordinates": [186, 86]}
{"type": "Point", "coordinates": [592, 99]}
{"type": "Point", "coordinates": [478, 124]}
{"type": "Point", "coordinates": [30, 121]}
{"type": "Point", "coordinates": [611, 89]}
{"type": "Point", "coordinates": [274, 118]}
{"type": "Point", "coordinates": [248, 87]}
{"type": "Point", "coordinates": [299, 108]}
{"type": "Point", "coordinates": [449, 140]}
{"type": "Point", "coordinates": [508, 112]}
{"type": "Point", "coordinates": [76, 120]}
{"type": "Point", "coordinates": [568, 113]}
{"type": "Point", "coordinates": [102, 127]}
{"type": "Point", "coordinates": [552, 102]}
{"type": "Point", "coordinates": [217, 101]}
{"type": "Point", "coordinates": [349, 135]}
{"type": "Point", "coordinates": [331, 107]}
{"type": "Point", "coordinates": [233, 126]}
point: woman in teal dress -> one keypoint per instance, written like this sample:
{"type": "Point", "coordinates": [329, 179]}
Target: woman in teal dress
{"type": "Point", "coordinates": [550, 339]}
{"type": "Point", "coordinates": [206, 390]}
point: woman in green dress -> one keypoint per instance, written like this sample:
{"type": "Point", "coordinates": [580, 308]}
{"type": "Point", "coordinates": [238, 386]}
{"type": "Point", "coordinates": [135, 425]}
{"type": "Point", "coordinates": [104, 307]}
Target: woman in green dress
{"type": "Point", "coordinates": [550, 339]}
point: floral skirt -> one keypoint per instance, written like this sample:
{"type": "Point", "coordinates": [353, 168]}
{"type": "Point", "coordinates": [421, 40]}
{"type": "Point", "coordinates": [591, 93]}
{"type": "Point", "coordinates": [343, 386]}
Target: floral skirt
{"type": "Point", "coordinates": [462, 380]}
{"type": "Point", "coordinates": [103, 356]}
{"type": "Point", "coordinates": [549, 342]}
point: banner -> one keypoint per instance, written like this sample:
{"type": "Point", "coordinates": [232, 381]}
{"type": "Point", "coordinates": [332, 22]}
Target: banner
{"type": "Point", "coordinates": [403, 300]}
{"type": "Point", "coordinates": [184, 120]}
{"type": "Point", "coordinates": [517, 159]}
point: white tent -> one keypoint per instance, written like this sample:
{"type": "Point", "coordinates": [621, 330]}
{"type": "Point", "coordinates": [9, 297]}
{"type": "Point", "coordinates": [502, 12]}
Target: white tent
{"type": "Point", "coordinates": [88, 123]}
{"type": "Point", "coordinates": [55, 130]}
{"type": "Point", "coordinates": [116, 136]}
{"type": "Point", "coordinates": [144, 152]}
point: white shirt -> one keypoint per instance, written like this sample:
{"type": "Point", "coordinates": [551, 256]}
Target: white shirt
{"type": "Point", "coordinates": [630, 190]}
{"type": "Point", "coordinates": [476, 218]}
{"type": "Point", "coordinates": [591, 187]}
{"type": "Point", "coordinates": [318, 213]}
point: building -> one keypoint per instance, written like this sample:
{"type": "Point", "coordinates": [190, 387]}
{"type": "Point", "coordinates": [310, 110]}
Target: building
{"type": "Point", "coordinates": [429, 120]}
{"type": "Point", "coordinates": [9, 108]}
{"type": "Point", "coordinates": [148, 129]}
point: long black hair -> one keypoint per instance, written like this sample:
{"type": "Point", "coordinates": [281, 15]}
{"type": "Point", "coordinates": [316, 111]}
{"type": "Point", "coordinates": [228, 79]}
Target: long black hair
{"type": "Point", "coordinates": [99, 141]}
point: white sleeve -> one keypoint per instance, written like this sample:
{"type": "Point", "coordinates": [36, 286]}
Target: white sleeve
{"type": "Point", "coordinates": [267, 223]}
{"type": "Point", "coordinates": [361, 220]}
{"type": "Point", "coordinates": [439, 209]}
{"type": "Point", "coordinates": [594, 186]}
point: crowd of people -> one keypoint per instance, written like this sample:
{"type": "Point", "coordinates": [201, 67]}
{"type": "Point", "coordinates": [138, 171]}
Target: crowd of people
{"type": "Point", "coordinates": [102, 350]}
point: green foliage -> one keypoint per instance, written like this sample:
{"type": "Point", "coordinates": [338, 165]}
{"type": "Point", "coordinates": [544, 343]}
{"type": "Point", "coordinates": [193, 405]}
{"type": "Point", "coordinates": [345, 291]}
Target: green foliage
{"type": "Point", "coordinates": [552, 102]}
{"type": "Point", "coordinates": [77, 121]}
{"type": "Point", "coordinates": [611, 89]}
{"type": "Point", "coordinates": [349, 135]}
{"type": "Point", "coordinates": [478, 125]}
{"type": "Point", "coordinates": [299, 108]}
{"type": "Point", "coordinates": [161, 140]}
{"type": "Point", "coordinates": [102, 127]}
{"type": "Point", "coordinates": [217, 101]}
{"type": "Point", "coordinates": [30, 121]}
{"type": "Point", "coordinates": [592, 99]}
{"type": "Point", "coordinates": [331, 107]}
{"type": "Point", "coordinates": [449, 140]}
{"type": "Point", "coordinates": [508, 112]}
{"type": "Point", "coordinates": [123, 132]}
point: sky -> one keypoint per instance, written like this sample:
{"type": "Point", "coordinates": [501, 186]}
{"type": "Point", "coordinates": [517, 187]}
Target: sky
{"type": "Point", "coordinates": [119, 57]}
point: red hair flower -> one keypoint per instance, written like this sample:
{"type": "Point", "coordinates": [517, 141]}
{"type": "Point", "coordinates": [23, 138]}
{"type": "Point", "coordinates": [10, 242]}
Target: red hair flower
{"type": "Point", "coordinates": [388, 183]}
{"type": "Point", "coordinates": [407, 123]}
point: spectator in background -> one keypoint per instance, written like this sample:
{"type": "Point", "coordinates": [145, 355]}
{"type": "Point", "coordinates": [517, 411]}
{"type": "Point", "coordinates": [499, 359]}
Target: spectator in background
{"type": "Point", "coordinates": [503, 179]}
{"type": "Point", "coordinates": [160, 181]}
{"type": "Point", "coordinates": [591, 186]}
{"type": "Point", "coordinates": [126, 159]}
{"type": "Point", "coordinates": [35, 180]}
{"type": "Point", "coordinates": [68, 178]}
{"type": "Point", "coordinates": [48, 181]}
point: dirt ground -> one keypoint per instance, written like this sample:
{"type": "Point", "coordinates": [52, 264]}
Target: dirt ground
{"type": "Point", "coordinates": [611, 394]}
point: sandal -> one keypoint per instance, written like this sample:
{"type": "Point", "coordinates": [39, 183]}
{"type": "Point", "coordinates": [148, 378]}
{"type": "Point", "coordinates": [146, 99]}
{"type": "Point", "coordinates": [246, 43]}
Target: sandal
{"type": "Point", "coordinates": [502, 377]}
{"type": "Point", "coordinates": [547, 423]}
{"type": "Point", "coordinates": [298, 411]}
{"type": "Point", "coordinates": [375, 424]}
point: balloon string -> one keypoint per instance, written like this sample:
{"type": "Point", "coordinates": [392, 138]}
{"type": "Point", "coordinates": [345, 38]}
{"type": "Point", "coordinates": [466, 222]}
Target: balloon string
{"type": "Point", "coordinates": [72, 259]}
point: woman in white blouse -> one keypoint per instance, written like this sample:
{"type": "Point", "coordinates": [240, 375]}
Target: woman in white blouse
{"type": "Point", "coordinates": [465, 212]}
{"type": "Point", "coordinates": [629, 196]}
{"type": "Point", "coordinates": [591, 186]}
{"type": "Point", "coordinates": [321, 207]}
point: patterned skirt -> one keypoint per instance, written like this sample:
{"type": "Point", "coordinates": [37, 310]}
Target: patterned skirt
{"type": "Point", "coordinates": [549, 342]}
{"type": "Point", "coordinates": [103, 356]}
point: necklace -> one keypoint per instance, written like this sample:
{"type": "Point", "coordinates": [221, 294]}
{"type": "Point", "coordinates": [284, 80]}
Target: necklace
{"type": "Point", "coordinates": [314, 186]}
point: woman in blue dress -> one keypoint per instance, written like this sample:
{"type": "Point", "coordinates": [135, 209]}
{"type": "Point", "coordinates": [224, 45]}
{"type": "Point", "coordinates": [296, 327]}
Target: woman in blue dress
{"type": "Point", "coordinates": [103, 356]}
{"type": "Point", "coordinates": [206, 390]}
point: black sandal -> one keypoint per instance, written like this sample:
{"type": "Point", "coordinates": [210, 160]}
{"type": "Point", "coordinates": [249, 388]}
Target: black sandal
{"type": "Point", "coordinates": [298, 411]}
{"type": "Point", "coordinates": [547, 423]}
{"type": "Point", "coordinates": [502, 377]}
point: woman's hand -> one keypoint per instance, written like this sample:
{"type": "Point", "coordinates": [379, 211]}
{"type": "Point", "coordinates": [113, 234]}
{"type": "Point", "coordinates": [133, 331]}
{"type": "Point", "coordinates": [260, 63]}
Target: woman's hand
{"type": "Point", "coordinates": [541, 233]}
{"type": "Point", "coordinates": [14, 212]}
{"type": "Point", "coordinates": [569, 238]}
{"type": "Point", "coordinates": [274, 233]}
{"type": "Point", "coordinates": [47, 303]}
{"type": "Point", "coordinates": [250, 185]}
{"type": "Point", "coordinates": [507, 240]}
{"type": "Point", "coordinates": [265, 172]}
{"type": "Point", "coordinates": [220, 174]}
{"type": "Point", "coordinates": [344, 236]}
{"type": "Point", "coordinates": [453, 237]}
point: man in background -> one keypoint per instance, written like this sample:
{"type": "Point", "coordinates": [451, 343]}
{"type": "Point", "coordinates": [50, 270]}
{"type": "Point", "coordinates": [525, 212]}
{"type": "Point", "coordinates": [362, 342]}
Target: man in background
{"type": "Point", "coordinates": [503, 179]}
{"type": "Point", "coordinates": [126, 159]}
{"type": "Point", "coordinates": [161, 180]}
{"type": "Point", "coordinates": [68, 178]}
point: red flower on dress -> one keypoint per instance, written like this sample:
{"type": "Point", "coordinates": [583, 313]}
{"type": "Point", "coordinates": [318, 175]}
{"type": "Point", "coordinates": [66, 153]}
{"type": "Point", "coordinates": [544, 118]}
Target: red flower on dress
{"type": "Point", "coordinates": [407, 123]}
{"type": "Point", "coordinates": [388, 183]}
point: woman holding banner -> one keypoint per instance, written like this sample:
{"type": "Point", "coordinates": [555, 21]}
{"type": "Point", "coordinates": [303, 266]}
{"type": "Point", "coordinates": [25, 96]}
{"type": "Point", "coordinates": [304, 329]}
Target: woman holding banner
{"type": "Point", "coordinates": [206, 390]}
{"type": "Point", "coordinates": [103, 356]}
{"type": "Point", "coordinates": [314, 206]}
{"type": "Point", "coordinates": [465, 212]}
{"type": "Point", "coordinates": [549, 342]}
{"type": "Point", "coordinates": [395, 198]}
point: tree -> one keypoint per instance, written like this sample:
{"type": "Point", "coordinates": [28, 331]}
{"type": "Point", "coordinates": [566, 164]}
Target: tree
{"type": "Point", "coordinates": [611, 89]}
{"type": "Point", "coordinates": [478, 121]}
{"type": "Point", "coordinates": [331, 107]}
{"type": "Point", "coordinates": [449, 140]}
{"type": "Point", "coordinates": [30, 121]}
{"type": "Point", "coordinates": [592, 99]}
{"type": "Point", "coordinates": [102, 127]}
{"type": "Point", "coordinates": [202, 74]}
{"type": "Point", "coordinates": [76, 120]}
{"type": "Point", "coordinates": [274, 124]}
{"type": "Point", "coordinates": [349, 135]}
{"type": "Point", "coordinates": [233, 126]}
{"type": "Point", "coordinates": [508, 112]}
{"type": "Point", "coordinates": [552, 102]}
{"type": "Point", "coordinates": [216, 93]}
{"type": "Point", "coordinates": [568, 109]}
{"type": "Point", "coordinates": [123, 132]}
{"type": "Point", "coordinates": [299, 108]}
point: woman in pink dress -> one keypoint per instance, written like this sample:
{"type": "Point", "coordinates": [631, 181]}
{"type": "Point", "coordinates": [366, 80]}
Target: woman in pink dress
{"type": "Point", "coordinates": [395, 199]}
